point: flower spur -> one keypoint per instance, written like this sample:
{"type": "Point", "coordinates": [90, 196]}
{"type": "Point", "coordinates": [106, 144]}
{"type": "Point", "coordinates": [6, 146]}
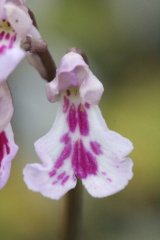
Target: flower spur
{"type": "Point", "coordinates": [79, 144]}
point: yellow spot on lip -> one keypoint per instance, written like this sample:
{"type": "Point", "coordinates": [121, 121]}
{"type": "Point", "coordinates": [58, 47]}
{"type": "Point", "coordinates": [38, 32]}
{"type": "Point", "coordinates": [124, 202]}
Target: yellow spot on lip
{"type": "Point", "coordinates": [73, 91]}
{"type": "Point", "coordinates": [4, 25]}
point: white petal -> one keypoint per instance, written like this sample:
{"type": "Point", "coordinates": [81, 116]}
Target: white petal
{"type": "Point", "coordinates": [52, 91]}
{"type": "Point", "coordinates": [53, 178]}
{"type": "Point", "coordinates": [70, 61]}
{"type": "Point", "coordinates": [6, 107]}
{"type": "Point", "coordinates": [9, 60]}
{"type": "Point", "coordinates": [114, 169]}
{"type": "Point", "coordinates": [115, 180]}
{"type": "Point", "coordinates": [2, 9]}
{"type": "Point", "coordinates": [36, 177]}
{"type": "Point", "coordinates": [19, 20]}
{"type": "Point", "coordinates": [17, 2]}
{"type": "Point", "coordinates": [91, 89]}
{"type": "Point", "coordinates": [114, 143]}
{"type": "Point", "coordinates": [7, 155]}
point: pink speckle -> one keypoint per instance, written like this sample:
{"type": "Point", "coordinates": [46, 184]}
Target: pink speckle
{"type": "Point", "coordinates": [65, 138]}
{"type": "Point", "coordinates": [52, 173]}
{"type": "Point", "coordinates": [61, 176]}
{"type": "Point", "coordinates": [96, 147]}
{"type": "Point", "coordinates": [55, 182]}
{"type": "Point", "coordinates": [104, 173]}
{"type": "Point", "coordinates": [87, 105]}
{"type": "Point", "coordinates": [109, 180]}
{"type": "Point", "coordinates": [65, 180]}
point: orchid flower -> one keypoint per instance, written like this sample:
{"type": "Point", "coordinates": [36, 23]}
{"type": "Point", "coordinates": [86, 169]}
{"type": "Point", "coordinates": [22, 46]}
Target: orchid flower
{"type": "Point", "coordinates": [79, 144]}
{"type": "Point", "coordinates": [8, 148]}
{"type": "Point", "coordinates": [15, 26]}
{"type": "Point", "coordinates": [12, 18]}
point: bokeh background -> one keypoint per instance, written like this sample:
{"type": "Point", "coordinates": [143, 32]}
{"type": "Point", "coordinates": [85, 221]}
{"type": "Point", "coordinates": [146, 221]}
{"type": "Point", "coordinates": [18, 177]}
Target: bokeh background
{"type": "Point", "coordinates": [122, 40]}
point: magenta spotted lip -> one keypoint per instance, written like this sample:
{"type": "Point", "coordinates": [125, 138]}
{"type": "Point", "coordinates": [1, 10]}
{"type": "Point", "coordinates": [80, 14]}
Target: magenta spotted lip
{"type": "Point", "coordinates": [84, 161]}
{"type": "Point", "coordinates": [7, 38]}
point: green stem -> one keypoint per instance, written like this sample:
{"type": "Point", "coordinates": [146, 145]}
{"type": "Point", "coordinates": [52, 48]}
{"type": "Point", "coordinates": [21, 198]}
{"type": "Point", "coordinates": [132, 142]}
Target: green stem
{"type": "Point", "coordinates": [73, 214]}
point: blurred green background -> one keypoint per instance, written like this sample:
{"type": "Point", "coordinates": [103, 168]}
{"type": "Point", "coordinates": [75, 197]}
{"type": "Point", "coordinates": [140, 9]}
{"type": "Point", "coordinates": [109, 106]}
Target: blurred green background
{"type": "Point", "coordinates": [122, 41]}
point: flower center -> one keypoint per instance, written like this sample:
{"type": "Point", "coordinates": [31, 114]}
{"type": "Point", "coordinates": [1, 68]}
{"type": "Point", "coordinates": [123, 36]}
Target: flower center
{"type": "Point", "coordinates": [7, 36]}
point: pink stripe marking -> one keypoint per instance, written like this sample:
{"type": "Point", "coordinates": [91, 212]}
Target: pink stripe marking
{"type": "Point", "coordinates": [96, 147]}
{"type": "Point", "coordinates": [52, 173]}
{"type": "Point", "coordinates": [83, 120]}
{"type": "Point", "coordinates": [61, 176]}
{"type": "Point", "coordinates": [72, 119]}
{"type": "Point", "coordinates": [65, 180]}
{"type": "Point", "coordinates": [4, 146]}
{"type": "Point", "coordinates": [12, 40]}
{"type": "Point", "coordinates": [66, 104]}
{"type": "Point", "coordinates": [63, 156]}
{"type": "Point", "coordinates": [83, 162]}
{"type": "Point", "coordinates": [7, 36]}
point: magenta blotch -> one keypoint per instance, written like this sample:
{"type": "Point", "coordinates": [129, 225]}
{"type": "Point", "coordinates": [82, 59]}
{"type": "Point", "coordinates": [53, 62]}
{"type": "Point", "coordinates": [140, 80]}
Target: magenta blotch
{"type": "Point", "coordinates": [83, 120]}
{"type": "Point", "coordinates": [72, 118]}
{"type": "Point", "coordinates": [65, 138]}
{"type": "Point", "coordinates": [96, 147]}
{"type": "Point", "coordinates": [63, 156]}
{"type": "Point", "coordinates": [4, 147]}
{"type": "Point", "coordinates": [83, 162]}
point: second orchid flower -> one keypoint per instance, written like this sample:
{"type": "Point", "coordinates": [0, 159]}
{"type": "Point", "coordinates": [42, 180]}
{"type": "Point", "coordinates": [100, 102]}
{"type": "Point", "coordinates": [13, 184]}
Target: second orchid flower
{"type": "Point", "coordinates": [79, 144]}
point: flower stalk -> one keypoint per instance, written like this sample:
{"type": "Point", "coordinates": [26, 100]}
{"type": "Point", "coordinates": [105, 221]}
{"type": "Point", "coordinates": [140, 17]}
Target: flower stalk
{"type": "Point", "coordinates": [40, 56]}
{"type": "Point", "coordinates": [73, 214]}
